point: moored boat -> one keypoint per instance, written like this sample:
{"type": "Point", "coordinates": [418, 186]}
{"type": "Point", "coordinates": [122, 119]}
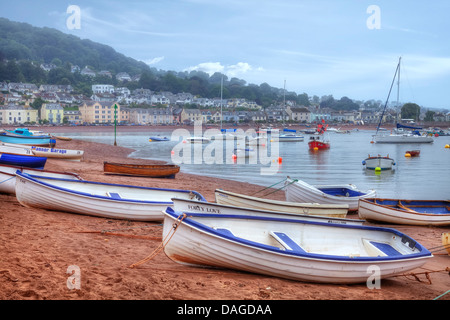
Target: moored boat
{"type": "Point", "coordinates": [8, 176]}
{"type": "Point", "coordinates": [141, 170]}
{"type": "Point", "coordinates": [198, 140]}
{"type": "Point", "coordinates": [413, 153]}
{"type": "Point", "coordinates": [97, 199]}
{"type": "Point", "coordinates": [194, 206]}
{"type": "Point", "coordinates": [245, 201]}
{"type": "Point", "coordinates": [403, 211]}
{"type": "Point", "coordinates": [158, 139]}
{"type": "Point", "coordinates": [300, 191]}
{"type": "Point", "coordinates": [25, 137]}
{"type": "Point", "coordinates": [288, 248]}
{"type": "Point", "coordinates": [378, 162]}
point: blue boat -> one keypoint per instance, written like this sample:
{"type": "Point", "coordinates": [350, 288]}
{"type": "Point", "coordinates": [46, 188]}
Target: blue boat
{"type": "Point", "coordinates": [26, 137]}
{"type": "Point", "coordinates": [158, 138]}
{"type": "Point", "coordinates": [23, 160]}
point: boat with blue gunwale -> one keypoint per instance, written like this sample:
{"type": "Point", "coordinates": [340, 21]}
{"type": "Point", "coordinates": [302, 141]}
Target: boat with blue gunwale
{"type": "Point", "coordinates": [287, 248]}
{"type": "Point", "coordinates": [22, 160]}
{"type": "Point", "coordinates": [404, 211]}
{"type": "Point", "coordinates": [98, 199]}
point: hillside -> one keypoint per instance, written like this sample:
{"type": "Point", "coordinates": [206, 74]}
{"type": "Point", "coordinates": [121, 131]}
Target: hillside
{"type": "Point", "coordinates": [23, 48]}
{"type": "Point", "coordinates": [21, 41]}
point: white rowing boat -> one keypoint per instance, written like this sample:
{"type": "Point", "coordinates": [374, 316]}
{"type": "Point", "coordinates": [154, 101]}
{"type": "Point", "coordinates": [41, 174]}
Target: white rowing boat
{"type": "Point", "coordinates": [241, 200]}
{"type": "Point", "coordinates": [8, 176]}
{"type": "Point", "coordinates": [97, 199]}
{"type": "Point", "coordinates": [300, 191]}
{"type": "Point", "coordinates": [40, 151]}
{"type": "Point", "coordinates": [291, 249]}
{"type": "Point", "coordinates": [194, 206]}
{"type": "Point", "coordinates": [403, 211]}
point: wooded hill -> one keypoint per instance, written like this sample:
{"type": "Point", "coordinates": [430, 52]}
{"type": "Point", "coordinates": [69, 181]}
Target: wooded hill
{"type": "Point", "coordinates": [23, 48]}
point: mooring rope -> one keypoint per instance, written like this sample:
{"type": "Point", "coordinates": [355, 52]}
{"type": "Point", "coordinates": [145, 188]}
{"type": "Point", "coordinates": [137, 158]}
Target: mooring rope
{"type": "Point", "coordinates": [163, 242]}
{"type": "Point", "coordinates": [293, 181]}
{"type": "Point", "coordinates": [268, 187]}
{"type": "Point", "coordinates": [7, 179]}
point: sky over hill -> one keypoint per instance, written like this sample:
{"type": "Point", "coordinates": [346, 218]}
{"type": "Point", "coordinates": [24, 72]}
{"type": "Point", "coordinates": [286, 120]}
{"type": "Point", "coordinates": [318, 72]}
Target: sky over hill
{"type": "Point", "coordinates": [344, 48]}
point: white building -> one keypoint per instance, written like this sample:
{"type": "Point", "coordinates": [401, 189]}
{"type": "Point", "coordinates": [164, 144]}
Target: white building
{"type": "Point", "coordinates": [103, 88]}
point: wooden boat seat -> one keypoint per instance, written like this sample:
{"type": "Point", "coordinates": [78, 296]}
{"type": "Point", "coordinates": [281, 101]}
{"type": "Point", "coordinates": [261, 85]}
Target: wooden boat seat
{"type": "Point", "coordinates": [113, 195]}
{"type": "Point", "coordinates": [286, 241]}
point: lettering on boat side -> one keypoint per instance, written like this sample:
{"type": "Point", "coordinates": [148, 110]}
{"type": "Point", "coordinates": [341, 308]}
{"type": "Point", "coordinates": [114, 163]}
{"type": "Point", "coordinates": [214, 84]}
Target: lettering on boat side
{"type": "Point", "coordinates": [203, 209]}
{"type": "Point", "coordinates": [74, 281]}
{"type": "Point", "coordinates": [225, 310]}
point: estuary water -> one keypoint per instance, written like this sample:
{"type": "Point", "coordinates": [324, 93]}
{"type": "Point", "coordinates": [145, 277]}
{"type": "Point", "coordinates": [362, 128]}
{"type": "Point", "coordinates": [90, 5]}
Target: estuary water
{"type": "Point", "coordinates": [424, 177]}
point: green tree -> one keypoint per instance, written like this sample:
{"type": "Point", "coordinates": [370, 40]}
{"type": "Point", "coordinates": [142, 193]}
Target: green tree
{"type": "Point", "coordinates": [429, 115]}
{"type": "Point", "coordinates": [410, 111]}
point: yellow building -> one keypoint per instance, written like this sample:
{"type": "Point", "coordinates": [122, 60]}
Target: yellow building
{"type": "Point", "coordinates": [52, 112]}
{"type": "Point", "coordinates": [102, 112]}
{"type": "Point", "coordinates": [18, 114]}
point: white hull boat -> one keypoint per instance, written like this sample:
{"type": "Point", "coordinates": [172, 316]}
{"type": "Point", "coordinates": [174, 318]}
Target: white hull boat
{"type": "Point", "coordinates": [193, 206]}
{"type": "Point", "coordinates": [97, 199]}
{"type": "Point", "coordinates": [290, 137]}
{"type": "Point", "coordinates": [408, 212]}
{"type": "Point", "coordinates": [401, 138]}
{"type": "Point", "coordinates": [375, 162]}
{"type": "Point", "coordinates": [64, 154]}
{"type": "Point", "coordinates": [198, 140]}
{"type": "Point", "coordinates": [300, 191]}
{"type": "Point", "coordinates": [241, 200]}
{"type": "Point", "coordinates": [292, 249]}
{"type": "Point", "coordinates": [8, 176]}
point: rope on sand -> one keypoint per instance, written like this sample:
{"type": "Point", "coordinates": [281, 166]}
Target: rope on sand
{"type": "Point", "coordinates": [163, 243]}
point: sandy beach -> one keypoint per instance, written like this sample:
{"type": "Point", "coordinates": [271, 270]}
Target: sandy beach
{"type": "Point", "coordinates": [39, 246]}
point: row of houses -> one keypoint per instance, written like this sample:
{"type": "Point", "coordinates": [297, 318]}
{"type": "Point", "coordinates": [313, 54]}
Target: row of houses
{"type": "Point", "coordinates": [95, 112]}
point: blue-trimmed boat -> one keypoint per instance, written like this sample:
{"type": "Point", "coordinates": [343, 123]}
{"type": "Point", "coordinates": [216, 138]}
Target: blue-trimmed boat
{"type": "Point", "coordinates": [98, 199]}
{"type": "Point", "coordinates": [288, 248]}
{"type": "Point", "coordinates": [26, 137]}
{"type": "Point", "coordinates": [406, 211]}
{"type": "Point", "coordinates": [23, 160]}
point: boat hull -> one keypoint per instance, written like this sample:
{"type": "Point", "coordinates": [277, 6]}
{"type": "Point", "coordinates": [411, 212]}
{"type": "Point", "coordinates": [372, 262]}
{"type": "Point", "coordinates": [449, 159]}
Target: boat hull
{"type": "Point", "coordinates": [313, 145]}
{"type": "Point", "coordinates": [383, 163]}
{"type": "Point", "coordinates": [23, 160]}
{"type": "Point", "coordinates": [97, 199]}
{"type": "Point", "coordinates": [402, 138]}
{"type": "Point", "coordinates": [191, 206]}
{"type": "Point", "coordinates": [62, 154]}
{"type": "Point", "coordinates": [240, 200]}
{"type": "Point", "coordinates": [28, 140]}
{"type": "Point", "coordinates": [152, 171]}
{"type": "Point", "coordinates": [297, 250]}
{"type": "Point", "coordinates": [399, 211]}
{"type": "Point", "coordinates": [8, 176]}
{"type": "Point", "coordinates": [299, 191]}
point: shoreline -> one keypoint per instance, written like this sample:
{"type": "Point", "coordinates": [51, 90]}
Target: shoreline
{"type": "Point", "coordinates": [39, 246]}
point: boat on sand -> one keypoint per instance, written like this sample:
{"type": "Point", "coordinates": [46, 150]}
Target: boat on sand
{"type": "Point", "coordinates": [287, 248]}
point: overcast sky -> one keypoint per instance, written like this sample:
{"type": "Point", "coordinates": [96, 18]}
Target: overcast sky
{"type": "Point", "coordinates": [344, 48]}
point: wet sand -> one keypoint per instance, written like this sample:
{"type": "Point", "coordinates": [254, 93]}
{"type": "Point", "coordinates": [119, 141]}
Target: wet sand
{"type": "Point", "coordinates": [38, 246]}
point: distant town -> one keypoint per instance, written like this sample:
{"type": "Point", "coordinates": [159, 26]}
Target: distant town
{"type": "Point", "coordinates": [29, 104]}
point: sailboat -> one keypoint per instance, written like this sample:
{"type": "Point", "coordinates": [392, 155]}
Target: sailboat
{"type": "Point", "coordinates": [400, 135]}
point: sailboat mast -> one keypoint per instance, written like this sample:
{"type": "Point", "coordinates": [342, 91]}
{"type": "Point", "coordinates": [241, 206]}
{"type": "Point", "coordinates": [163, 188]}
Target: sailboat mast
{"type": "Point", "coordinates": [398, 89]}
{"type": "Point", "coordinates": [221, 113]}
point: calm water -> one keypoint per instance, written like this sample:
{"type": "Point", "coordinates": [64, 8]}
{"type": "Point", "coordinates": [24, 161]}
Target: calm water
{"type": "Point", "coordinates": [423, 177]}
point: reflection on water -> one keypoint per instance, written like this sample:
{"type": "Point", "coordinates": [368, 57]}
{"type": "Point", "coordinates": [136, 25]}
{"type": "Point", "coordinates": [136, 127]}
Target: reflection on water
{"type": "Point", "coordinates": [424, 177]}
